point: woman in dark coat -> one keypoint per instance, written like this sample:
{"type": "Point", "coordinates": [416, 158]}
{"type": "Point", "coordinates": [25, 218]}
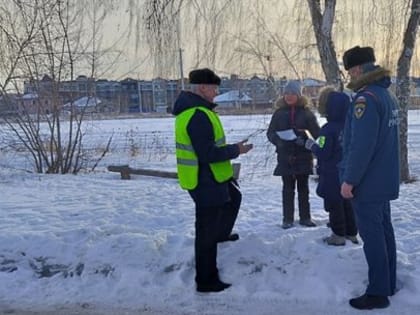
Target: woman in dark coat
{"type": "Point", "coordinates": [294, 162]}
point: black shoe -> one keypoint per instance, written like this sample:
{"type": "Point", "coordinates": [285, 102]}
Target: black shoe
{"type": "Point", "coordinates": [213, 287]}
{"type": "Point", "coordinates": [307, 222]}
{"type": "Point", "coordinates": [231, 238]}
{"type": "Point", "coordinates": [287, 225]}
{"type": "Point", "coordinates": [368, 302]}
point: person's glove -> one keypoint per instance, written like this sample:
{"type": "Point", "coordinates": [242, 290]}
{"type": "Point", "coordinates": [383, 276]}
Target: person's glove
{"type": "Point", "coordinates": [309, 143]}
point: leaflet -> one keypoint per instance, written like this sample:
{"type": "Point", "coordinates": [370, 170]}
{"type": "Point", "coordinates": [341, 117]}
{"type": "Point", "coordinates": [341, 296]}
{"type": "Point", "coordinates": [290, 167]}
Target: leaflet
{"type": "Point", "coordinates": [287, 134]}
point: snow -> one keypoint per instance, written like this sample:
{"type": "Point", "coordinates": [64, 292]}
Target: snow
{"type": "Point", "coordinates": [96, 244]}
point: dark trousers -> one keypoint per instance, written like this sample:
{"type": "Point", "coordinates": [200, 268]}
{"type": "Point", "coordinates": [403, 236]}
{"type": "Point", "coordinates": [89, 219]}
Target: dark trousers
{"type": "Point", "coordinates": [289, 184]}
{"type": "Point", "coordinates": [213, 224]}
{"type": "Point", "coordinates": [230, 211]}
{"type": "Point", "coordinates": [376, 230]}
{"type": "Point", "coordinates": [342, 221]}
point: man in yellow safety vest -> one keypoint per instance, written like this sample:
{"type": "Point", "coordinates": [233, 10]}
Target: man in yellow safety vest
{"type": "Point", "coordinates": [205, 170]}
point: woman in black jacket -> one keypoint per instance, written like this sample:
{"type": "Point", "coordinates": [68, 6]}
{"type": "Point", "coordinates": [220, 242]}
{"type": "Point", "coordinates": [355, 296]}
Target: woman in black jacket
{"type": "Point", "coordinates": [294, 162]}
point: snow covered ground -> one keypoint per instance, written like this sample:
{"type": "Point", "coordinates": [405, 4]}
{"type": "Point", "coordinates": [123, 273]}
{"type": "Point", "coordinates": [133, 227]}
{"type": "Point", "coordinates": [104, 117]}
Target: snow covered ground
{"type": "Point", "coordinates": [96, 244]}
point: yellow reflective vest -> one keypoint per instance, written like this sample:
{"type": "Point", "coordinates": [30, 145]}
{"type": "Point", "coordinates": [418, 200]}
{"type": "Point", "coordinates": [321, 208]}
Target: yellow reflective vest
{"type": "Point", "coordinates": [187, 161]}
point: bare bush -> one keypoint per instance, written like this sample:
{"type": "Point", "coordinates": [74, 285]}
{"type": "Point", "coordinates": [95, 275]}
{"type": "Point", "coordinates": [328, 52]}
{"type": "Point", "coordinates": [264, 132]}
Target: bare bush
{"type": "Point", "coordinates": [44, 43]}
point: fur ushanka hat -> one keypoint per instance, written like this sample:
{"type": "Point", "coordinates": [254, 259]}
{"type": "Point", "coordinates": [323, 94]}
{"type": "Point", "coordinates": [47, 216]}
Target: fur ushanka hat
{"type": "Point", "coordinates": [357, 56]}
{"type": "Point", "coordinates": [203, 76]}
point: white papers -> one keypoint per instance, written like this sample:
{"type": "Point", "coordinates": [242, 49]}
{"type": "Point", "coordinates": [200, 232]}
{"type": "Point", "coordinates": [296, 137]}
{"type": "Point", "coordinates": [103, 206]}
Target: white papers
{"type": "Point", "coordinates": [308, 134]}
{"type": "Point", "coordinates": [287, 134]}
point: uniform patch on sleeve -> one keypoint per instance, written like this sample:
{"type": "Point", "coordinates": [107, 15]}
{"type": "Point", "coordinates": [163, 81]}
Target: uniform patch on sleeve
{"type": "Point", "coordinates": [360, 99]}
{"type": "Point", "coordinates": [321, 141]}
{"type": "Point", "coordinates": [359, 107]}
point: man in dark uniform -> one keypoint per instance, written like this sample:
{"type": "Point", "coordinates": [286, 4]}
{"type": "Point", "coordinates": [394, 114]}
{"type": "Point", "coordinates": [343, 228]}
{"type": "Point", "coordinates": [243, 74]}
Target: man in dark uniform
{"type": "Point", "coordinates": [370, 171]}
{"type": "Point", "coordinates": [204, 169]}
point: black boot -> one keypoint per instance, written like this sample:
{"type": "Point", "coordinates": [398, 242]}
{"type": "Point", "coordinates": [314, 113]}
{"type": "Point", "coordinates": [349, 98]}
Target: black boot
{"type": "Point", "coordinates": [368, 302]}
{"type": "Point", "coordinates": [212, 287]}
{"type": "Point", "coordinates": [307, 223]}
{"type": "Point", "coordinates": [231, 238]}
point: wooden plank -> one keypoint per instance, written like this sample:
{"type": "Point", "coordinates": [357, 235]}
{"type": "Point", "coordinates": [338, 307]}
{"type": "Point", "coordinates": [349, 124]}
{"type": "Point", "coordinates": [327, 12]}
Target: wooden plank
{"type": "Point", "coordinates": [147, 172]}
{"type": "Point", "coordinates": [126, 170]}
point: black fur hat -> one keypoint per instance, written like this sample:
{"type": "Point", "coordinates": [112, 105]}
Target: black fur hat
{"type": "Point", "coordinates": [203, 76]}
{"type": "Point", "coordinates": [357, 56]}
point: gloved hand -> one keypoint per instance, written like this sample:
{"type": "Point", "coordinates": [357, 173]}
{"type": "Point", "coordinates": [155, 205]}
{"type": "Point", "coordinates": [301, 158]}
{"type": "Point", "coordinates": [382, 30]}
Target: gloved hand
{"type": "Point", "coordinates": [300, 141]}
{"type": "Point", "coordinates": [309, 143]}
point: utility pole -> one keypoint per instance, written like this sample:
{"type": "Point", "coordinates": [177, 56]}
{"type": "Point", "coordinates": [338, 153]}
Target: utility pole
{"type": "Point", "coordinates": [181, 70]}
{"type": "Point", "coordinates": [139, 89]}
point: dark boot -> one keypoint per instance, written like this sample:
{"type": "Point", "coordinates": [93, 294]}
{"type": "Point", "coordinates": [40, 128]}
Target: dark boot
{"type": "Point", "coordinates": [231, 238]}
{"type": "Point", "coordinates": [369, 302]}
{"type": "Point", "coordinates": [212, 287]}
{"type": "Point", "coordinates": [287, 225]}
{"type": "Point", "coordinates": [307, 223]}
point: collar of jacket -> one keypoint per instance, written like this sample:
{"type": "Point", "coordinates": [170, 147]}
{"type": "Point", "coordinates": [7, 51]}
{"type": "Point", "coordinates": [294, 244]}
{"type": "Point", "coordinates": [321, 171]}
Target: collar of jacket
{"type": "Point", "coordinates": [368, 78]}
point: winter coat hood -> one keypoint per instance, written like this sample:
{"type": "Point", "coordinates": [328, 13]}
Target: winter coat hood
{"type": "Point", "coordinates": [377, 75]}
{"type": "Point", "coordinates": [333, 105]}
{"type": "Point", "coordinates": [187, 100]}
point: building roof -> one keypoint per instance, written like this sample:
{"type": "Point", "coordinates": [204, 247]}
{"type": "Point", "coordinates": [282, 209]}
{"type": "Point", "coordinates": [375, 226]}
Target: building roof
{"type": "Point", "coordinates": [313, 82]}
{"type": "Point", "coordinates": [232, 96]}
{"type": "Point", "coordinates": [30, 96]}
{"type": "Point", "coordinates": [84, 101]}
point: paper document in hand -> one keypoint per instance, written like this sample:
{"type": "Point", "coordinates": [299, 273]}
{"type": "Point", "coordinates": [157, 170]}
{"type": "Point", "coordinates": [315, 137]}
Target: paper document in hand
{"type": "Point", "coordinates": [287, 134]}
{"type": "Point", "coordinates": [308, 134]}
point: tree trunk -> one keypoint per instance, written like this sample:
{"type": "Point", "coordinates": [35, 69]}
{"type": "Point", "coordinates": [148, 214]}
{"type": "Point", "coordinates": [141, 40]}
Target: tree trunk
{"type": "Point", "coordinates": [322, 24]}
{"type": "Point", "coordinates": [403, 84]}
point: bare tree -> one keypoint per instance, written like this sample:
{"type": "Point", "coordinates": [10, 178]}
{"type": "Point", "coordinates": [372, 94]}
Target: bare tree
{"type": "Point", "coordinates": [43, 43]}
{"type": "Point", "coordinates": [322, 24]}
{"type": "Point", "coordinates": [204, 22]}
{"type": "Point", "coordinates": [403, 82]}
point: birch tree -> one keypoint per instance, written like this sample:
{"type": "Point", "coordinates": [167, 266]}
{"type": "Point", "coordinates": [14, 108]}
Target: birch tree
{"type": "Point", "coordinates": [322, 22]}
{"type": "Point", "coordinates": [403, 82]}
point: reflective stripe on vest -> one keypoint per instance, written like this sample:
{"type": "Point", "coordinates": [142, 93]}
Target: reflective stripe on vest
{"type": "Point", "coordinates": [186, 158]}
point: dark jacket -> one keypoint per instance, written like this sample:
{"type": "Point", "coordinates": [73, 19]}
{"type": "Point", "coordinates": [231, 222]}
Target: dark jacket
{"type": "Point", "coordinates": [329, 151]}
{"type": "Point", "coordinates": [208, 193]}
{"type": "Point", "coordinates": [291, 158]}
{"type": "Point", "coordinates": [371, 139]}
